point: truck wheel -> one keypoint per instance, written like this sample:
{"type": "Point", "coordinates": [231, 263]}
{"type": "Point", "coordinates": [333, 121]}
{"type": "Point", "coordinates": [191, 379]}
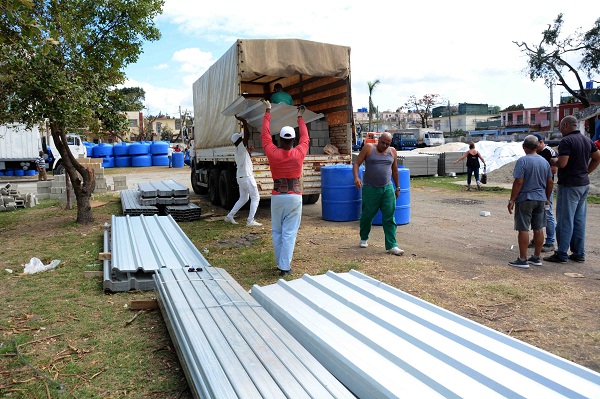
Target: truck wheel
{"type": "Point", "coordinates": [213, 187]}
{"type": "Point", "coordinates": [198, 189]}
{"type": "Point", "coordinates": [310, 199]}
{"type": "Point", "coordinates": [60, 170]}
{"type": "Point", "coordinates": [228, 191]}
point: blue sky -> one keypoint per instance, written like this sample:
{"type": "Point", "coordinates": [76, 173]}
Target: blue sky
{"type": "Point", "coordinates": [460, 50]}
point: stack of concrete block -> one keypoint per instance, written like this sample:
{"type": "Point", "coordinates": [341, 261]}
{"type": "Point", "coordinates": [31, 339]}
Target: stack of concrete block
{"type": "Point", "coordinates": [120, 183]}
{"type": "Point", "coordinates": [319, 136]}
{"type": "Point", "coordinates": [11, 199]}
{"type": "Point", "coordinates": [341, 137]}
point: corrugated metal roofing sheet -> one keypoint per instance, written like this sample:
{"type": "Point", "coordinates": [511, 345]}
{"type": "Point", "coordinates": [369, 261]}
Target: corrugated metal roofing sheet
{"type": "Point", "coordinates": [384, 343]}
{"type": "Point", "coordinates": [230, 347]}
{"type": "Point", "coordinates": [150, 242]}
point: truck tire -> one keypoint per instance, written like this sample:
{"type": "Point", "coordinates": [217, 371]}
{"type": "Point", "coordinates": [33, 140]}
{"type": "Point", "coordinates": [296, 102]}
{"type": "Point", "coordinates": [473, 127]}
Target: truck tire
{"type": "Point", "coordinates": [59, 170]}
{"type": "Point", "coordinates": [228, 191]}
{"type": "Point", "coordinates": [310, 199]}
{"type": "Point", "coordinates": [213, 186]}
{"type": "Point", "coordinates": [198, 189]}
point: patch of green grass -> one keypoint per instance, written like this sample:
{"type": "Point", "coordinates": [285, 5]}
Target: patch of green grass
{"type": "Point", "coordinates": [448, 183]}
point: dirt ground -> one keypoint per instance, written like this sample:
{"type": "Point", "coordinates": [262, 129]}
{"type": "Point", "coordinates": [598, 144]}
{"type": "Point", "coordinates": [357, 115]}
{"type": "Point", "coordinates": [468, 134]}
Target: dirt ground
{"type": "Point", "coordinates": [456, 259]}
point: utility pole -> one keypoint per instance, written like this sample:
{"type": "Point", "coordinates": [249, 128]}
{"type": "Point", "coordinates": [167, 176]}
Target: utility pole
{"type": "Point", "coordinates": [551, 112]}
{"type": "Point", "coordinates": [449, 117]}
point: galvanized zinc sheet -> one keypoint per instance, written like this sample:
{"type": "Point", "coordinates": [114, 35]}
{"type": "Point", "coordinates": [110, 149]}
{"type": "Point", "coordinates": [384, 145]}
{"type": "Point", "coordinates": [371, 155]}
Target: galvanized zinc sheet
{"type": "Point", "coordinates": [384, 343]}
{"type": "Point", "coordinates": [150, 242]}
{"type": "Point", "coordinates": [230, 347]}
{"type": "Point", "coordinates": [163, 188]}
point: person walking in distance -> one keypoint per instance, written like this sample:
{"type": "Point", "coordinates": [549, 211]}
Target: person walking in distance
{"type": "Point", "coordinates": [378, 193]}
{"type": "Point", "coordinates": [40, 164]}
{"type": "Point", "coordinates": [531, 191]}
{"type": "Point", "coordinates": [473, 156]}
{"type": "Point", "coordinates": [577, 158]}
{"type": "Point", "coordinates": [280, 96]}
{"type": "Point", "coordinates": [547, 153]}
{"type": "Point", "coordinates": [245, 177]}
{"type": "Point", "coordinates": [285, 163]}
{"type": "Point", "coordinates": [170, 156]}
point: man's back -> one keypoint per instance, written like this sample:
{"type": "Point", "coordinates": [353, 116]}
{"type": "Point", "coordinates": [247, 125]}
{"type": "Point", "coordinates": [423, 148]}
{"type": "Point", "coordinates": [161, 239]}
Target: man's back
{"type": "Point", "coordinates": [534, 170]}
{"type": "Point", "coordinates": [281, 97]}
{"type": "Point", "coordinates": [579, 149]}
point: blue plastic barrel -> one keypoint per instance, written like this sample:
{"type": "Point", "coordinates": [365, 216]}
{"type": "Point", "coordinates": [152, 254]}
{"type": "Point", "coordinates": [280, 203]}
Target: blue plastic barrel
{"type": "Point", "coordinates": [19, 172]}
{"type": "Point", "coordinates": [103, 150]}
{"type": "Point", "coordinates": [340, 200]}
{"type": "Point", "coordinates": [121, 149]}
{"type": "Point", "coordinates": [160, 160]}
{"type": "Point", "coordinates": [1, 173]}
{"type": "Point", "coordinates": [9, 172]}
{"type": "Point", "coordinates": [108, 162]}
{"type": "Point", "coordinates": [402, 212]}
{"type": "Point", "coordinates": [159, 148]}
{"type": "Point", "coordinates": [177, 159]}
{"type": "Point", "coordinates": [123, 161]}
{"type": "Point", "coordinates": [30, 172]}
{"type": "Point", "coordinates": [141, 160]}
{"type": "Point", "coordinates": [138, 148]}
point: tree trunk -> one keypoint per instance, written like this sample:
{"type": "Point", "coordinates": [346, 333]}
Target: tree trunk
{"type": "Point", "coordinates": [81, 178]}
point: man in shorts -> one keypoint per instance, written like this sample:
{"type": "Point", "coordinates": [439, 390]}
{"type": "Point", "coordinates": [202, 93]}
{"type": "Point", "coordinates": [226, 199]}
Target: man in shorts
{"type": "Point", "coordinates": [530, 193]}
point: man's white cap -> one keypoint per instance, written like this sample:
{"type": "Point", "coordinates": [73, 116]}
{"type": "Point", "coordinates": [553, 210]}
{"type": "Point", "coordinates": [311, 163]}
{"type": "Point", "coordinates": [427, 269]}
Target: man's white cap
{"type": "Point", "coordinates": [287, 132]}
{"type": "Point", "coordinates": [235, 137]}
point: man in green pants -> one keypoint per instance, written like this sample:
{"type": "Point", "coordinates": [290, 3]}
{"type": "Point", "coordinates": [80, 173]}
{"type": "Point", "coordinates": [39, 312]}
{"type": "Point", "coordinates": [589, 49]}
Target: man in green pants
{"type": "Point", "coordinates": [378, 192]}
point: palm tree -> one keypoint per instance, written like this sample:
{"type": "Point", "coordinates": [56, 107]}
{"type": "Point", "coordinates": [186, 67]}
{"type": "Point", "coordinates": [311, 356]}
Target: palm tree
{"type": "Point", "coordinates": [371, 106]}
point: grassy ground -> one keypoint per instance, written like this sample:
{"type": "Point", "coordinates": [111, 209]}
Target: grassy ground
{"type": "Point", "coordinates": [62, 336]}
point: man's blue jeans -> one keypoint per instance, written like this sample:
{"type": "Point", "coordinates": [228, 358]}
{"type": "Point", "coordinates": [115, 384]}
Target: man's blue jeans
{"type": "Point", "coordinates": [286, 213]}
{"type": "Point", "coordinates": [550, 223]}
{"type": "Point", "coordinates": [571, 212]}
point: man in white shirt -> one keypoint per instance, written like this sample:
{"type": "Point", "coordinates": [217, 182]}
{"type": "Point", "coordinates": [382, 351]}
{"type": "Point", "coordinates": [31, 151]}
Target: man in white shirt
{"type": "Point", "coordinates": [245, 177]}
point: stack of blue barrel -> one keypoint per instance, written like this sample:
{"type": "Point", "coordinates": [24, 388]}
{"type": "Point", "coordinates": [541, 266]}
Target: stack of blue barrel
{"type": "Point", "coordinates": [140, 154]}
{"type": "Point", "coordinates": [121, 153]}
{"type": "Point", "coordinates": [104, 151]}
{"type": "Point", "coordinates": [402, 212]}
{"type": "Point", "coordinates": [160, 153]}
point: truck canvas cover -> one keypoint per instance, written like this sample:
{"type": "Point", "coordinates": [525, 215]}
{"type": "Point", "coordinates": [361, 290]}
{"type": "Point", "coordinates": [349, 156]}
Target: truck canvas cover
{"type": "Point", "coordinates": [257, 60]}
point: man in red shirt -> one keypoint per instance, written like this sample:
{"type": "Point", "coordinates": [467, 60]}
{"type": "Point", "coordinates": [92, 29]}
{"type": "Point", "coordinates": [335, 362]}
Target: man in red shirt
{"type": "Point", "coordinates": [285, 163]}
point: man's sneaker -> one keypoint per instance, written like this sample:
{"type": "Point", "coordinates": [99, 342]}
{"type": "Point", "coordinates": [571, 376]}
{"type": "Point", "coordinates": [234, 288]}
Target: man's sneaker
{"type": "Point", "coordinates": [253, 223]}
{"type": "Point", "coordinates": [363, 244]}
{"type": "Point", "coordinates": [396, 251]}
{"type": "Point", "coordinates": [522, 263]}
{"type": "Point", "coordinates": [284, 273]}
{"type": "Point", "coordinates": [548, 248]}
{"type": "Point", "coordinates": [555, 258]}
{"type": "Point", "coordinates": [534, 260]}
{"type": "Point", "coordinates": [576, 258]}
{"type": "Point", "coordinates": [229, 219]}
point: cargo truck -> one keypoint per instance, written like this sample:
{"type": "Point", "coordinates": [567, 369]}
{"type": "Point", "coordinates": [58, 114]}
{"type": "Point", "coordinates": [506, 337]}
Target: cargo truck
{"type": "Point", "coordinates": [316, 75]}
{"type": "Point", "coordinates": [20, 146]}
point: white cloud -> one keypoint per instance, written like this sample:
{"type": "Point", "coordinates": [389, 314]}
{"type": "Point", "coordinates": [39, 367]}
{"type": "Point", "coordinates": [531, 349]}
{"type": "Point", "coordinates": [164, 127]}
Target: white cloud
{"type": "Point", "coordinates": [461, 50]}
{"type": "Point", "coordinates": [161, 67]}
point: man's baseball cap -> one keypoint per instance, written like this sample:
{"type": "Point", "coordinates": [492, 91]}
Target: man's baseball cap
{"type": "Point", "coordinates": [538, 136]}
{"type": "Point", "coordinates": [235, 137]}
{"type": "Point", "coordinates": [287, 132]}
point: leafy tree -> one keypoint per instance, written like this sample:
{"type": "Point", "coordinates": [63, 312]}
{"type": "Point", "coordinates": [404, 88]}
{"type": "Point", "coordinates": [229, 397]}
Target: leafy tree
{"type": "Point", "coordinates": [514, 107]}
{"type": "Point", "coordinates": [166, 134]}
{"type": "Point", "coordinates": [551, 59]}
{"type": "Point", "coordinates": [65, 73]}
{"type": "Point", "coordinates": [422, 106]}
{"type": "Point", "coordinates": [114, 122]}
{"type": "Point", "coordinates": [372, 108]}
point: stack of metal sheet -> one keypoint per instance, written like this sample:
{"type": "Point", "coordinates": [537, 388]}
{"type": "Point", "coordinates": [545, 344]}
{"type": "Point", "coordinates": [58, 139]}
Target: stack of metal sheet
{"type": "Point", "coordinates": [384, 343]}
{"type": "Point", "coordinates": [141, 245]}
{"type": "Point", "coordinates": [165, 192]}
{"type": "Point", "coordinates": [230, 347]}
{"type": "Point", "coordinates": [183, 213]}
{"type": "Point", "coordinates": [130, 202]}
{"type": "Point", "coordinates": [166, 197]}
